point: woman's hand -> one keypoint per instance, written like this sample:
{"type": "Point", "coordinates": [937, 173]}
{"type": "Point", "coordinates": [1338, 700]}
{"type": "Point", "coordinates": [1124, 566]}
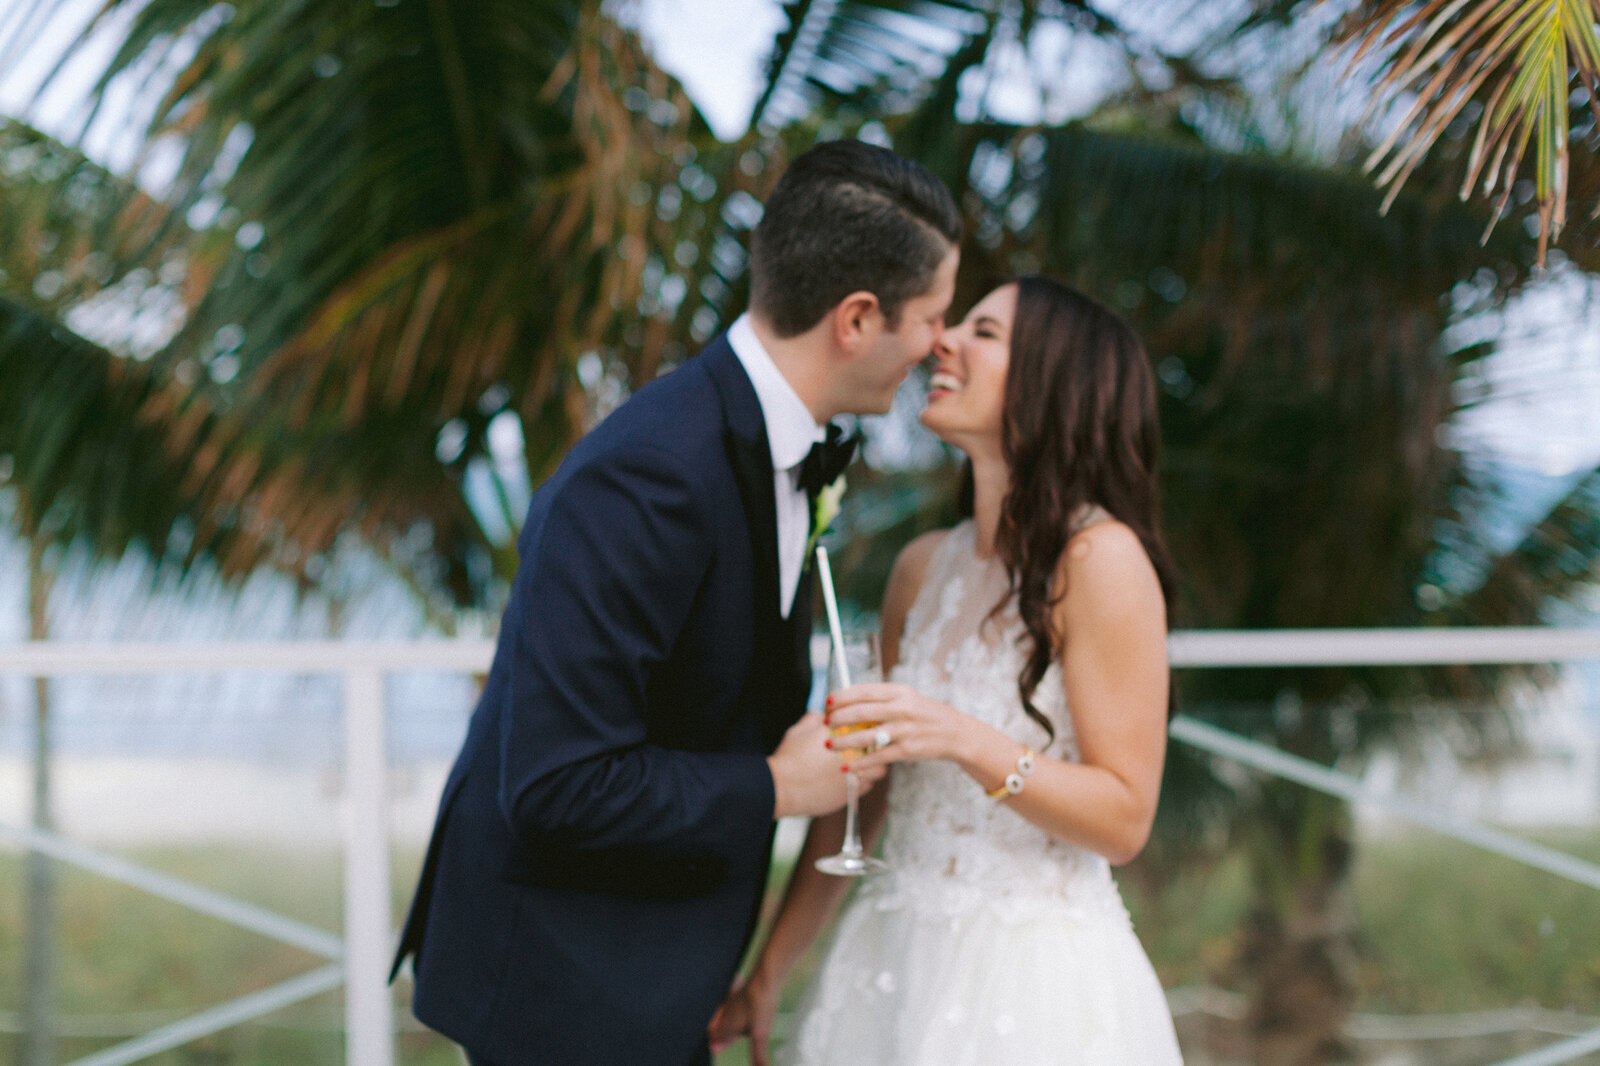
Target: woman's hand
{"type": "Point", "coordinates": [918, 728]}
{"type": "Point", "coordinates": [748, 1011]}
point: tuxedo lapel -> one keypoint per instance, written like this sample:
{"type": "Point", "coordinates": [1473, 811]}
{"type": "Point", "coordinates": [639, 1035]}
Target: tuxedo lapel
{"type": "Point", "coordinates": [800, 620]}
{"type": "Point", "coordinates": [751, 456]}
{"type": "Point", "coordinates": [752, 469]}
{"type": "Point", "coordinates": [772, 669]}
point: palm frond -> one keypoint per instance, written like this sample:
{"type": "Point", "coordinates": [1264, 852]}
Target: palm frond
{"type": "Point", "coordinates": [1509, 69]}
{"type": "Point", "coordinates": [847, 48]}
{"type": "Point", "coordinates": [412, 217]}
{"type": "Point", "coordinates": [87, 468]}
{"type": "Point", "coordinates": [1558, 558]}
{"type": "Point", "coordinates": [68, 227]}
{"type": "Point", "coordinates": [879, 58]}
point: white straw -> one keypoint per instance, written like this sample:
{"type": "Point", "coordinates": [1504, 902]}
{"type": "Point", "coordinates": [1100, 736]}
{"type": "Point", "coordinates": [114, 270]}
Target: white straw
{"type": "Point", "coordinates": [826, 576]}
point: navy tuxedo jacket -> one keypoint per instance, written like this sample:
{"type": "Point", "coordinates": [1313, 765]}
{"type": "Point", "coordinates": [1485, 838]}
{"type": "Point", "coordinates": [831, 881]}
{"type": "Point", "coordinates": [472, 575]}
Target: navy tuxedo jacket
{"type": "Point", "coordinates": [602, 843]}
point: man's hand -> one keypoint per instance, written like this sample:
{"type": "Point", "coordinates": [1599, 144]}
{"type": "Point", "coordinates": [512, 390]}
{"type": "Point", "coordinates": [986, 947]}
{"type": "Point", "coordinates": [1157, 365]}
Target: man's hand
{"type": "Point", "coordinates": [748, 1011]}
{"type": "Point", "coordinates": [807, 776]}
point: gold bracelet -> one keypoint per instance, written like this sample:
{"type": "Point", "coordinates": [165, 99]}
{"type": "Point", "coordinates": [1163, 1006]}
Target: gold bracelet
{"type": "Point", "coordinates": [1012, 785]}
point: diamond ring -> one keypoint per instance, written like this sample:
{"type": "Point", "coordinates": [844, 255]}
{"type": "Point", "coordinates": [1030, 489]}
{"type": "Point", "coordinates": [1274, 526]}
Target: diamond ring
{"type": "Point", "coordinates": [881, 738]}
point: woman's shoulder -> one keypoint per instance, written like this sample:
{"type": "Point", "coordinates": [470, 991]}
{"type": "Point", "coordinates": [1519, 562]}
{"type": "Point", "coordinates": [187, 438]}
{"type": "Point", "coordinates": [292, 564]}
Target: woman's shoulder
{"type": "Point", "coordinates": [911, 568]}
{"type": "Point", "coordinates": [1097, 526]}
{"type": "Point", "coordinates": [1105, 564]}
{"type": "Point", "coordinates": [1103, 543]}
{"type": "Point", "coordinates": [919, 551]}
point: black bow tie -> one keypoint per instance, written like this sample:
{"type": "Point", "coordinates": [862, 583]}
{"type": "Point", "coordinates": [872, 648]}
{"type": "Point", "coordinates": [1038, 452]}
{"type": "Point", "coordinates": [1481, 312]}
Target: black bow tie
{"type": "Point", "coordinates": [826, 460]}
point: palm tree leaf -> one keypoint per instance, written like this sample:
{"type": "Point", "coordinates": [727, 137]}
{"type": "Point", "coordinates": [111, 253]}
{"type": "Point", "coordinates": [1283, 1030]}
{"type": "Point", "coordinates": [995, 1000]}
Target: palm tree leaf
{"type": "Point", "coordinates": [393, 243]}
{"type": "Point", "coordinates": [883, 56]}
{"type": "Point", "coordinates": [1519, 61]}
{"type": "Point", "coordinates": [86, 467]}
{"type": "Point", "coordinates": [67, 226]}
{"type": "Point", "coordinates": [1558, 558]}
{"type": "Point", "coordinates": [822, 51]}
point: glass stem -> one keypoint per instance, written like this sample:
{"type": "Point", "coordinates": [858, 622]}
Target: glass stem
{"type": "Point", "coordinates": [852, 785]}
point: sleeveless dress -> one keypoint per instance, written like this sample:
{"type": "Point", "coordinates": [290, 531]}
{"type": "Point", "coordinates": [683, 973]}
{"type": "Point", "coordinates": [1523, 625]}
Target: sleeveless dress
{"type": "Point", "coordinates": [987, 942]}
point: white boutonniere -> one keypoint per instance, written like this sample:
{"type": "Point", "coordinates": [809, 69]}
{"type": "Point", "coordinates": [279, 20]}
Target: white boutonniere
{"type": "Point", "coordinates": [824, 511]}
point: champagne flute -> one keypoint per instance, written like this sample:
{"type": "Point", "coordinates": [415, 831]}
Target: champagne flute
{"type": "Point", "coordinates": [859, 662]}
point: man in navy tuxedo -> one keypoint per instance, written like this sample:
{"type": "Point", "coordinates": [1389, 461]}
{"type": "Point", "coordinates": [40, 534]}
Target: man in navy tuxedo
{"type": "Point", "coordinates": [603, 839]}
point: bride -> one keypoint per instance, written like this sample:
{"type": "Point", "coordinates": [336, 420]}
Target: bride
{"type": "Point", "coordinates": [1027, 710]}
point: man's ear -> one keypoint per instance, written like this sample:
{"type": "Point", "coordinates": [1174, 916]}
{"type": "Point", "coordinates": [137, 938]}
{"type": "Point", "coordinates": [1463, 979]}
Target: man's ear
{"type": "Point", "coordinates": [857, 320]}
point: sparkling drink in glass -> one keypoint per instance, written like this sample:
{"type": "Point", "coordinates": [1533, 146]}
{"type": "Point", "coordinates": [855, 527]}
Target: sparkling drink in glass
{"type": "Point", "coordinates": [861, 663]}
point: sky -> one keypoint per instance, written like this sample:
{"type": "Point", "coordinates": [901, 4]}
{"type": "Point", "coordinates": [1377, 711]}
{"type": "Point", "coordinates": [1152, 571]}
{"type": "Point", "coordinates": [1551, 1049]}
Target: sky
{"type": "Point", "coordinates": [1542, 411]}
{"type": "Point", "coordinates": [717, 48]}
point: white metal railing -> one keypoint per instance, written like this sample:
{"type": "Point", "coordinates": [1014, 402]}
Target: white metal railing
{"type": "Point", "coordinates": [1393, 647]}
{"type": "Point", "coordinates": [361, 957]}
{"type": "Point", "coordinates": [363, 954]}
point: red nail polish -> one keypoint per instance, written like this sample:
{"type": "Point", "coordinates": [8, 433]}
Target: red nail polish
{"type": "Point", "coordinates": [829, 702]}
{"type": "Point", "coordinates": [845, 768]}
{"type": "Point", "coordinates": [828, 743]}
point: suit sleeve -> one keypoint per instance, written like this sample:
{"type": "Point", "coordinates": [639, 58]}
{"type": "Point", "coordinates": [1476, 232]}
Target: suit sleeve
{"type": "Point", "coordinates": [612, 577]}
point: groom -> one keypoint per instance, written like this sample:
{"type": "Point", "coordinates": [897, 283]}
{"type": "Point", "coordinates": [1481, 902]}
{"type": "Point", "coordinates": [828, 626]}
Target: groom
{"type": "Point", "coordinates": [603, 839]}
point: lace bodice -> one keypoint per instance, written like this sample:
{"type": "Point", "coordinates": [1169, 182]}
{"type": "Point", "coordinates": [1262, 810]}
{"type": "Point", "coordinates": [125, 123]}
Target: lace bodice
{"type": "Point", "coordinates": [951, 848]}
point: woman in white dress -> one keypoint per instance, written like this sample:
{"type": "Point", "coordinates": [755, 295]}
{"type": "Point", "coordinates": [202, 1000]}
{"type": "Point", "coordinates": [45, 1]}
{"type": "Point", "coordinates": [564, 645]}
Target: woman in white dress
{"type": "Point", "coordinates": [1025, 716]}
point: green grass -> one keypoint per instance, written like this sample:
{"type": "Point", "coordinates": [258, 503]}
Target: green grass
{"type": "Point", "coordinates": [1188, 924]}
{"type": "Point", "coordinates": [1442, 928]}
{"type": "Point", "coordinates": [1445, 927]}
{"type": "Point", "coordinates": [123, 952]}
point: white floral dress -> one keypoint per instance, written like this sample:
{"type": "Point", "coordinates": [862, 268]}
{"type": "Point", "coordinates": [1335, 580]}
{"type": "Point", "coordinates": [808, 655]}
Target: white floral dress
{"type": "Point", "coordinates": [987, 941]}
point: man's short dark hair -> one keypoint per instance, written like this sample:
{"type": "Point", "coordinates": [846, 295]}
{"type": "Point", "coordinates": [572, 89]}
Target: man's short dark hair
{"type": "Point", "coordinates": [848, 217]}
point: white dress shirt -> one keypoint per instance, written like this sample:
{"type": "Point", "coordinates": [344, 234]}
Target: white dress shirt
{"type": "Point", "coordinates": [791, 431]}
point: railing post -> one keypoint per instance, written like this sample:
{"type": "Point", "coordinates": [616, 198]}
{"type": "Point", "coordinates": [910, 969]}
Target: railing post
{"type": "Point", "coordinates": [38, 1044]}
{"type": "Point", "coordinates": [369, 1029]}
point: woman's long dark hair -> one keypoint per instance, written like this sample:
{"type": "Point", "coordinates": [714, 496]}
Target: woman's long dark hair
{"type": "Point", "coordinates": [1079, 428]}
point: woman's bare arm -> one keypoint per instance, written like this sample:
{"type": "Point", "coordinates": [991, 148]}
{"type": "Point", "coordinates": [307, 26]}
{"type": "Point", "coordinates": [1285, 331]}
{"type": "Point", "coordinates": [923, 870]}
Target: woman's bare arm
{"type": "Point", "coordinates": [1114, 668]}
